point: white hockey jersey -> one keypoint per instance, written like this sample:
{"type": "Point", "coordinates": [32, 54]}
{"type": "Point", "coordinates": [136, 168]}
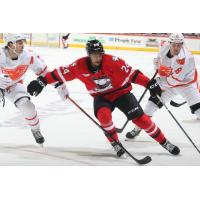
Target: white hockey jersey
{"type": "Point", "coordinates": [183, 67]}
{"type": "Point", "coordinates": [16, 69]}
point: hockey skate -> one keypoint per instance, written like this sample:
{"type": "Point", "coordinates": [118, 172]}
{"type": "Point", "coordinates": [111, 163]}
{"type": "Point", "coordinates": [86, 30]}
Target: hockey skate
{"type": "Point", "coordinates": [120, 152]}
{"type": "Point", "coordinates": [171, 148]}
{"type": "Point", "coordinates": [132, 134]}
{"type": "Point", "coordinates": [38, 137]}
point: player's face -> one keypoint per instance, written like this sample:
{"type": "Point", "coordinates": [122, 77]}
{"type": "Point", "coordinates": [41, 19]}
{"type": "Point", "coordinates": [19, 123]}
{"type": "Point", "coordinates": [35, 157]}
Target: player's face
{"type": "Point", "coordinates": [96, 58]}
{"type": "Point", "coordinates": [175, 48]}
{"type": "Point", "coordinates": [19, 46]}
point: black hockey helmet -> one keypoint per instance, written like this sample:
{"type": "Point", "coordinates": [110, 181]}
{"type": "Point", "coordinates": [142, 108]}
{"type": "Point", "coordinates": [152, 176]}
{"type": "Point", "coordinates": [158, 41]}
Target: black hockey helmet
{"type": "Point", "coordinates": [94, 46]}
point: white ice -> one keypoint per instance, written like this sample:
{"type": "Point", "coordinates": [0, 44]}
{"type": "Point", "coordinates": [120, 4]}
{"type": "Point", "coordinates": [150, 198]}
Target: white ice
{"type": "Point", "coordinates": [72, 139]}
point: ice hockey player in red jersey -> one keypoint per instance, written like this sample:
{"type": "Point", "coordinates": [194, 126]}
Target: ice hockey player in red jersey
{"type": "Point", "coordinates": [108, 79]}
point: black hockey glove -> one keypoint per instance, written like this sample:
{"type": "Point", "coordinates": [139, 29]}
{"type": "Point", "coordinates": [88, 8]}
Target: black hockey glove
{"type": "Point", "coordinates": [154, 88]}
{"type": "Point", "coordinates": [35, 87]}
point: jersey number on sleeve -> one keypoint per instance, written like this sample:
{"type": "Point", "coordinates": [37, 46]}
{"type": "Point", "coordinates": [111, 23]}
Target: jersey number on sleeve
{"type": "Point", "coordinates": [125, 68]}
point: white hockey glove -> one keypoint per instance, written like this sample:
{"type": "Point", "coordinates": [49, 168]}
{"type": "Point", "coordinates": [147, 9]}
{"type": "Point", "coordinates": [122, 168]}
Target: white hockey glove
{"type": "Point", "coordinates": [62, 91]}
{"type": "Point", "coordinates": [5, 81]}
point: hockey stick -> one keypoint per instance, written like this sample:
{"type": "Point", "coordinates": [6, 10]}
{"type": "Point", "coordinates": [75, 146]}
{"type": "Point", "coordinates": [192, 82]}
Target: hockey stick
{"type": "Point", "coordinates": [172, 103]}
{"type": "Point", "coordinates": [120, 130]}
{"type": "Point", "coordinates": [142, 161]}
{"type": "Point", "coordinates": [3, 96]}
{"type": "Point", "coordinates": [179, 124]}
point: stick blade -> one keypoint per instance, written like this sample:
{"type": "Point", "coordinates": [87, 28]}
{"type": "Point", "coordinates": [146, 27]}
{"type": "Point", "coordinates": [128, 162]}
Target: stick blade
{"type": "Point", "coordinates": [145, 160]}
{"type": "Point", "coordinates": [172, 103]}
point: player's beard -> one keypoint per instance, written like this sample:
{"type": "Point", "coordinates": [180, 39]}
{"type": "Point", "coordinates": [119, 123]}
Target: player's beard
{"type": "Point", "coordinates": [96, 64]}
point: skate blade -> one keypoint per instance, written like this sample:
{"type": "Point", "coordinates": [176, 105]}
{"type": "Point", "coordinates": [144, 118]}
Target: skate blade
{"type": "Point", "coordinates": [129, 139]}
{"type": "Point", "coordinates": [41, 145]}
{"type": "Point", "coordinates": [123, 157]}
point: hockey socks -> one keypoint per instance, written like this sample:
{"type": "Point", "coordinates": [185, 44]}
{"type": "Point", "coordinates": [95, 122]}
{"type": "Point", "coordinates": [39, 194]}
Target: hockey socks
{"type": "Point", "coordinates": [145, 122]}
{"type": "Point", "coordinates": [105, 118]}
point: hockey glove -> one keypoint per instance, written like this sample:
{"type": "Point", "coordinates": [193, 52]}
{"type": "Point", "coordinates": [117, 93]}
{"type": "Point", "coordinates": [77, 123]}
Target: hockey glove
{"type": "Point", "coordinates": [35, 87]}
{"type": "Point", "coordinates": [62, 91]}
{"type": "Point", "coordinates": [154, 88]}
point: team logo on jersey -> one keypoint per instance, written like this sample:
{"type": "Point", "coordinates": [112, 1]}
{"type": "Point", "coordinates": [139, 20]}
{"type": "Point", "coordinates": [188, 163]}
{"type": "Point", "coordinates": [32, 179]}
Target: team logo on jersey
{"type": "Point", "coordinates": [65, 70]}
{"type": "Point", "coordinates": [73, 64]}
{"type": "Point", "coordinates": [102, 82]}
{"type": "Point", "coordinates": [181, 61]}
{"type": "Point", "coordinates": [115, 58]}
{"type": "Point", "coordinates": [16, 73]}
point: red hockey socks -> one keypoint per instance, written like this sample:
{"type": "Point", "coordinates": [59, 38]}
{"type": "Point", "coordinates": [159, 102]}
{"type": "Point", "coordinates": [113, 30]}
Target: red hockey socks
{"type": "Point", "coordinates": [105, 118]}
{"type": "Point", "coordinates": [145, 122]}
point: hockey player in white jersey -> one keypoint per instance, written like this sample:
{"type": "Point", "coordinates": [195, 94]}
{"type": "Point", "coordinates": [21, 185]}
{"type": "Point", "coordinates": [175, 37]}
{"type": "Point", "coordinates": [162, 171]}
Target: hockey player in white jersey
{"type": "Point", "coordinates": [177, 76]}
{"type": "Point", "coordinates": [14, 63]}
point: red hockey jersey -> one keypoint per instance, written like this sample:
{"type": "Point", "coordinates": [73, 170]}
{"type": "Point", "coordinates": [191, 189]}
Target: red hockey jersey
{"type": "Point", "coordinates": [112, 80]}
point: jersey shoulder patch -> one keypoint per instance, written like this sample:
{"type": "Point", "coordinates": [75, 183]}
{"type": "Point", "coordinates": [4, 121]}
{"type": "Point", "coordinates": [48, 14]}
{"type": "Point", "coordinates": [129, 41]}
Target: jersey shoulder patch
{"type": "Point", "coordinates": [74, 64]}
{"type": "Point", "coordinates": [115, 58]}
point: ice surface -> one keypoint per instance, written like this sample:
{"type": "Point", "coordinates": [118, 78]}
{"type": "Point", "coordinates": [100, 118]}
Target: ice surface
{"type": "Point", "coordinates": [72, 139]}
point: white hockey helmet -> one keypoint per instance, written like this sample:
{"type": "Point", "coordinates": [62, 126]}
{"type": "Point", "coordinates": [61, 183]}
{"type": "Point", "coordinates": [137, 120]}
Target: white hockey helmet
{"type": "Point", "coordinates": [176, 38]}
{"type": "Point", "coordinates": [13, 37]}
